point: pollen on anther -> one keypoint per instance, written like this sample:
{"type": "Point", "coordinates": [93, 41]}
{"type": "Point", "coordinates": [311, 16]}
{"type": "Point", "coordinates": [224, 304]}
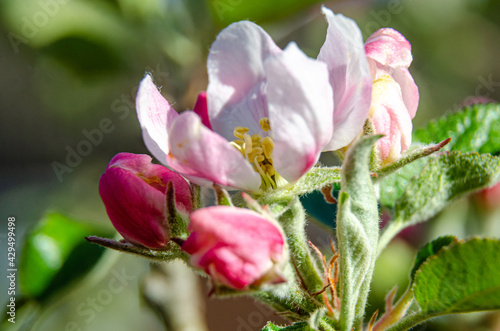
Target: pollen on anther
{"type": "Point", "coordinates": [240, 131]}
{"type": "Point", "coordinates": [248, 143]}
{"type": "Point", "coordinates": [264, 123]}
{"type": "Point", "coordinates": [267, 146]}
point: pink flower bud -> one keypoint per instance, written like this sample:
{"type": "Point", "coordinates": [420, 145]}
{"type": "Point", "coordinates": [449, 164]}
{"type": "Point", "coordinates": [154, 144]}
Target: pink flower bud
{"type": "Point", "coordinates": [237, 247]}
{"type": "Point", "coordinates": [390, 117]}
{"type": "Point", "coordinates": [394, 95]}
{"type": "Point", "coordinates": [133, 192]}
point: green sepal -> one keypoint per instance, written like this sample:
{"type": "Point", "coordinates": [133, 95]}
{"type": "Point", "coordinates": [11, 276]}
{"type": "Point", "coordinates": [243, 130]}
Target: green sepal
{"type": "Point", "coordinates": [170, 252]}
{"type": "Point", "coordinates": [222, 198]}
{"type": "Point", "coordinates": [175, 221]}
{"type": "Point", "coordinates": [315, 179]}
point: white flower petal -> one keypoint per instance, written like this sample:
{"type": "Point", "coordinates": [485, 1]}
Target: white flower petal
{"type": "Point", "coordinates": [300, 110]}
{"type": "Point", "coordinates": [237, 77]}
{"type": "Point", "coordinates": [155, 116]}
{"type": "Point", "coordinates": [344, 53]}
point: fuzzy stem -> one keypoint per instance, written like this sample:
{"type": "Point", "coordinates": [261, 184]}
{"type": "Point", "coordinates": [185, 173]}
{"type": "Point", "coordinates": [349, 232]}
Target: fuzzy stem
{"type": "Point", "coordinates": [293, 220]}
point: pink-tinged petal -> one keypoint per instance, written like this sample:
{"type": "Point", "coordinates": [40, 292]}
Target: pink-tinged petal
{"type": "Point", "coordinates": [408, 88]}
{"type": "Point", "coordinates": [199, 153]}
{"type": "Point", "coordinates": [389, 48]}
{"type": "Point", "coordinates": [390, 117]}
{"type": "Point", "coordinates": [300, 105]}
{"type": "Point", "coordinates": [236, 247]}
{"type": "Point", "coordinates": [237, 77]}
{"type": "Point", "coordinates": [201, 109]}
{"type": "Point", "coordinates": [344, 54]}
{"type": "Point", "coordinates": [155, 116]}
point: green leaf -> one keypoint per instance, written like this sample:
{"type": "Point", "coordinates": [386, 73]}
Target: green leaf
{"type": "Point", "coordinates": [472, 129]}
{"type": "Point", "coordinates": [226, 12]}
{"type": "Point", "coordinates": [444, 179]}
{"type": "Point", "coordinates": [393, 186]}
{"type": "Point", "coordinates": [357, 232]}
{"type": "Point", "coordinates": [475, 128]}
{"type": "Point", "coordinates": [430, 249]}
{"type": "Point", "coordinates": [54, 255]}
{"type": "Point", "coordinates": [301, 326]}
{"type": "Point", "coordinates": [463, 277]}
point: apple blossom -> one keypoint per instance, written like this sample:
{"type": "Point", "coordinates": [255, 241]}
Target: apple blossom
{"type": "Point", "coordinates": [237, 247]}
{"type": "Point", "coordinates": [269, 112]}
{"type": "Point", "coordinates": [133, 192]}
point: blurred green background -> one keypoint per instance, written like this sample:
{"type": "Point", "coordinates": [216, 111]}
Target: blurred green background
{"type": "Point", "coordinates": [69, 71]}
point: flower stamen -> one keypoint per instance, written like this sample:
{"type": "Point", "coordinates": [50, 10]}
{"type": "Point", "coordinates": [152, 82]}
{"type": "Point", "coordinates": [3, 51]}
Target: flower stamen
{"type": "Point", "coordinates": [258, 151]}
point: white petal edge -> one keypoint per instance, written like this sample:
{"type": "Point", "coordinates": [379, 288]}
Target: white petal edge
{"type": "Point", "coordinates": [155, 116]}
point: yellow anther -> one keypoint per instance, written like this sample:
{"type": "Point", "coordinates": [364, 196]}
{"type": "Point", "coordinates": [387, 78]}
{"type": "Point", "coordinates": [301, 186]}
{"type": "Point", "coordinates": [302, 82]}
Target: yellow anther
{"type": "Point", "coordinates": [258, 151]}
{"type": "Point", "coordinates": [264, 123]}
{"type": "Point", "coordinates": [269, 169]}
{"type": "Point", "coordinates": [267, 146]}
{"type": "Point", "coordinates": [256, 137]}
{"type": "Point", "coordinates": [248, 143]}
{"type": "Point", "coordinates": [260, 158]}
{"type": "Point", "coordinates": [239, 131]}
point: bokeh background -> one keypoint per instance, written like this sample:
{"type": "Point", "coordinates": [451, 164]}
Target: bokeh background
{"type": "Point", "coordinates": [69, 71]}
